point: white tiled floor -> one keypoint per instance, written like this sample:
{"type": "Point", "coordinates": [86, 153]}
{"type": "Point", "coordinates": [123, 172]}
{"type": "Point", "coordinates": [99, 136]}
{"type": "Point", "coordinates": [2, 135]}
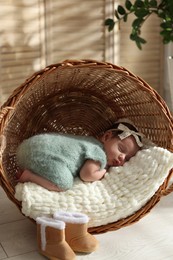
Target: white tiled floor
{"type": "Point", "coordinates": [151, 238]}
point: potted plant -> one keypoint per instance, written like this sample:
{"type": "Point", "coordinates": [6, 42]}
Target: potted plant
{"type": "Point", "coordinates": [142, 9]}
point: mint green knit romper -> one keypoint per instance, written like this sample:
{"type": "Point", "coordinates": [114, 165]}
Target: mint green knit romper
{"type": "Point", "coordinates": [59, 157]}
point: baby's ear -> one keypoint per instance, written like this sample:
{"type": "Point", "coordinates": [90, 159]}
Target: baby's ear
{"type": "Point", "coordinates": [107, 135]}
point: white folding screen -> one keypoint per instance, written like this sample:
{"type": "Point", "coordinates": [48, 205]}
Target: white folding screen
{"type": "Point", "coordinates": [37, 33]}
{"type": "Point", "coordinates": [20, 42]}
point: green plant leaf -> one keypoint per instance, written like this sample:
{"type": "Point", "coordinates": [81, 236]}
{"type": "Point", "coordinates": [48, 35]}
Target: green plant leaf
{"type": "Point", "coordinates": [142, 9]}
{"type": "Point", "coordinates": [169, 29]}
{"type": "Point", "coordinates": [162, 33]}
{"type": "Point", "coordinates": [137, 22]}
{"type": "Point", "coordinates": [163, 25]}
{"type": "Point", "coordinates": [166, 39]}
{"type": "Point", "coordinates": [110, 23]}
{"type": "Point", "coordinates": [138, 45]}
{"type": "Point", "coordinates": [125, 17]}
{"type": "Point", "coordinates": [143, 41]}
{"type": "Point", "coordinates": [139, 3]}
{"type": "Point", "coordinates": [128, 5]}
{"type": "Point", "coordinates": [153, 3]}
{"type": "Point", "coordinates": [167, 36]}
{"type": "Point", "coordinates": [116, 15]}
{"type": "Point", "coordinates": [146, 2]}
{"type": "Point", "coordinates": [133, 37]}
{"type": "Point", "coordinates": [121, 10]}
{"type": "Point", "coordinates": [161, 14]}
{"type": "Point", "coordinates": [134, 34]}
{"type": "Point", "coordinates": [141, 12]}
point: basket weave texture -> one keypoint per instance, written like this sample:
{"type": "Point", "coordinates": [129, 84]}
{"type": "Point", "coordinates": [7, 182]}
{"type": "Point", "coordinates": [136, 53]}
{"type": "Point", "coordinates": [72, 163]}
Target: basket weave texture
{"type": "Point", "coordinates": [82, 97]}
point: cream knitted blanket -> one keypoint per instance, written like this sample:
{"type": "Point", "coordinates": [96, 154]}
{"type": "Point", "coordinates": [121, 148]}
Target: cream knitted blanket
{"type": "Point", "coordinates": [122, 191]}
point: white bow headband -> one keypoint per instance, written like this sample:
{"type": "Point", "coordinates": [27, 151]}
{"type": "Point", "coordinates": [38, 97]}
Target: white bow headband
{"type": "Point", "coordinates": [127, 132]}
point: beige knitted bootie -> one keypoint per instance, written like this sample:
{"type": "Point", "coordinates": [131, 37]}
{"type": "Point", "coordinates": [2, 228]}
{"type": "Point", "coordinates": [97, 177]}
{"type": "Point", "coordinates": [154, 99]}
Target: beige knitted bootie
{"type": "Point", "coordinates": [76, 233]}
{"type": "Point", "coordinates": [51, 239]}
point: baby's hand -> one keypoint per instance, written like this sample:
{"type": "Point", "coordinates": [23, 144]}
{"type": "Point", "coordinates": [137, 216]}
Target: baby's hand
{"type": "Point", "coordinates": [90, 171]}
{"type": "Point", "coordinates": [101, 173]}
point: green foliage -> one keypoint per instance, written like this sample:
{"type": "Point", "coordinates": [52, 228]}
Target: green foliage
{"type": "Point", "coordinates": [142, 9]}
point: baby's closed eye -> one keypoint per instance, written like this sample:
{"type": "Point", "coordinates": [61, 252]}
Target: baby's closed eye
{"type": "Point", "coordinates": [122, 148]}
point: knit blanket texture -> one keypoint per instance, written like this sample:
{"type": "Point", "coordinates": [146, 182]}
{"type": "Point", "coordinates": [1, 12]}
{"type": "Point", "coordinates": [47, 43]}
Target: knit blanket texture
{"type": "Point", "coordinates": [122, 191]}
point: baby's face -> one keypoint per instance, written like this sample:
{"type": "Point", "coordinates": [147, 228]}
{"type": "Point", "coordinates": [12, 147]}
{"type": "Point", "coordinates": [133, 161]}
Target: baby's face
{"type": "Point", "coordinates": [119, 151]}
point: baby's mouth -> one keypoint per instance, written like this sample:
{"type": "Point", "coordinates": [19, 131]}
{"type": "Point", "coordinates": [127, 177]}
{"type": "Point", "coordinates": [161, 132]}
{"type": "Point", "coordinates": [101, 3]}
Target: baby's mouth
{"type": "Point", "coordinates": [113, 163]}
{"type": "Point", "coordinates": [117, 163]}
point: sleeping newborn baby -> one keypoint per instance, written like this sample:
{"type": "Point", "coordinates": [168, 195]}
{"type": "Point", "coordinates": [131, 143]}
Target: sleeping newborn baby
{"type": "Point", "coordinates": [53, 160]}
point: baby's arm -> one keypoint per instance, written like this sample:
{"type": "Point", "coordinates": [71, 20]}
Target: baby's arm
{"type": "Point", "coordinates": [90, 171]}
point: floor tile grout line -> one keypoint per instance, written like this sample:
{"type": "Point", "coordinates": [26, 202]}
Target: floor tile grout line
{"type": "Point", "coordinates": [14, 221]}
{"type": "Point", "coordinates": [4, 252]}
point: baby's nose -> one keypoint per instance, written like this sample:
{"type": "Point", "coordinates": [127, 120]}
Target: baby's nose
{"type": "Point", "coordinates": [122, 159]}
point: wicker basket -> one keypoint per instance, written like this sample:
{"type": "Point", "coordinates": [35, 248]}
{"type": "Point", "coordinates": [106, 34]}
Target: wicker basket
{"type": "Point", "coordinates": [82, 97]}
